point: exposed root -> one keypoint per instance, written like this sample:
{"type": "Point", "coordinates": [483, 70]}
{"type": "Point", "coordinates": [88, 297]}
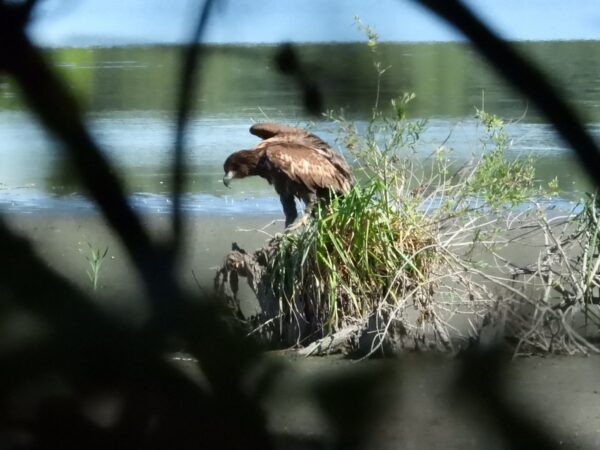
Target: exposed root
{"type": "Point", "coordinates": [291, 322]}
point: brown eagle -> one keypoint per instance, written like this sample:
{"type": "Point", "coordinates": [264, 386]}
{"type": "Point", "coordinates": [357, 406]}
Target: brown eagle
{"type": "Point", "coordinates": [297, 163]}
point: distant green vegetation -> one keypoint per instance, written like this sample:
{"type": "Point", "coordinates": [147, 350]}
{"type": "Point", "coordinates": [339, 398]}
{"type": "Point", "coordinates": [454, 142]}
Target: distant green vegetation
{"type": "Point", "coordinates": [123, 87]}
{"type": "Point", "coordinates": [238, 80]}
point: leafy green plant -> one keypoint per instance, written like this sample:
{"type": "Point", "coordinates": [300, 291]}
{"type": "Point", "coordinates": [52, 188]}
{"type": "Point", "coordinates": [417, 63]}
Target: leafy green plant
{"type": "Point", "coordinates": [95, 259]}
{"type": "Point", "coordinates": [498, 179]}
{"type": "Point", "coordinates": [371, 34]}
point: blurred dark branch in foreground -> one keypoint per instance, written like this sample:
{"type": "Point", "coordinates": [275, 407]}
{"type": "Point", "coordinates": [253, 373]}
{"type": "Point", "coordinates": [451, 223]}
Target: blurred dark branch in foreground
{"type": "Point", "coordinates": [191, 56]}
{"type": "Point", "coordinates": [483, 383]}
{"type": "Point", "coordinates": [57, 109]}
{"type": "Point", "coordinates": [525, 77]}
{"type": "Point", "coordinates": [90, 350]}
{"type": "Point", "coordinates": [95, 352]}
{"type": "Point", "coordinates": [288, 63]}
{"type": "Point", "coordinates": [21, 12]}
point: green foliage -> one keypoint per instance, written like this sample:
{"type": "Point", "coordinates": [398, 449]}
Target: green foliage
{"type": "Point", "coordinates": [553, 188]}
{"type": "Point", "coordinates": [95, 260]}
{"type": "Point", "coordinates": [499, 180]}
{"type": "Point", "coordinates": [399, 104]}
{"type": "Point", "coordinates": [358, 251]}
{"type": "Point", "coordinates": [372, 36]}
{"type": "Point", "coordinates": [378, 149]}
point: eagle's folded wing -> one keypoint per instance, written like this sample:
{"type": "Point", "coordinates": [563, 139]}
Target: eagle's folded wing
{"type": "Point", "coordinates": [303, 137]}
{"type": "Point", "coordinates": [307, 167]}
{"type": "Point", "coordinates": [269, 130]}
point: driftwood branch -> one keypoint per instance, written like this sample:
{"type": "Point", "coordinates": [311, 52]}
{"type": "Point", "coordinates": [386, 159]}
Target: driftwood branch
{"type": "Point", "coordinates": [282, 325]}
{"type": "Point", "coordinates": [345, 341]}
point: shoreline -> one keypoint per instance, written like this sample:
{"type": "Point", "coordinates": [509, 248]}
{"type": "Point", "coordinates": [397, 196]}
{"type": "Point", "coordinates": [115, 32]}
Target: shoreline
{"type": "Point", "coordinates": [64, 241]}
{"type": "Point", "coordinates": [423, 410]}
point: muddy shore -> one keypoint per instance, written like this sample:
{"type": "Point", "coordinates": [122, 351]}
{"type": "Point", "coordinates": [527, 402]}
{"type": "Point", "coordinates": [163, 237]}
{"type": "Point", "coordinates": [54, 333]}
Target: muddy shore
{"type": "Point", "coordinates": [63, 241]}
{"type": "Point", "coordinates": [422, 409]}
{"type": "Point", "coordinates": [561, 394]}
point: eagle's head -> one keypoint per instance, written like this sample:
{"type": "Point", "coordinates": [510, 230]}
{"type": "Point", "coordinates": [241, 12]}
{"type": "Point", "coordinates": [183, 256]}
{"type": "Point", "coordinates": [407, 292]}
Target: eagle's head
{"type": "Point", "coordinates": [240, 164]}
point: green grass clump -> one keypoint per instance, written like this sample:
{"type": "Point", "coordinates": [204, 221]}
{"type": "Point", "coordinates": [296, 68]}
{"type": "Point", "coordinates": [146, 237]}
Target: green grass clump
{"type": "Point", "coordinates": [382, 247]}
{"type": "Point", "coordinates": [359, 251]}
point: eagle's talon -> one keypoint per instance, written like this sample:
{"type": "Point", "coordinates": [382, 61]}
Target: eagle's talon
{"type": "Point", "coordinates": [298, 223]}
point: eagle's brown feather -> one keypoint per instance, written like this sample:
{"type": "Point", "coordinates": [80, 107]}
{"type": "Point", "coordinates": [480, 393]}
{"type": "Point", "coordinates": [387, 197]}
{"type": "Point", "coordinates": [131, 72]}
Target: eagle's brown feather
{"type": "Point", "coordinates": [305, 166]}
{"type": "Point", "coordinates": [269, 130]}
{"type": "Point", "coordinates": [297, 163]}
{"type": "Point", "coordinates": [284, 133]}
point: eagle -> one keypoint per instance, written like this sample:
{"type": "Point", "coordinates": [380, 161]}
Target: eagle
{"type": "Point", "coordinates": [298, 164]}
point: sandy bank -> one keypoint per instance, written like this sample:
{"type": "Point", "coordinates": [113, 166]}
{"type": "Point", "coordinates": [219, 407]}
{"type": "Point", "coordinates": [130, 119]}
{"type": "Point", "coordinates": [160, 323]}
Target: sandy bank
{"type": "Point", "coordinates": [63, 241]}
{"type": "Point", "coordinates": [422, 410]}
{"type": "Point", "coordinates": [560, 394]}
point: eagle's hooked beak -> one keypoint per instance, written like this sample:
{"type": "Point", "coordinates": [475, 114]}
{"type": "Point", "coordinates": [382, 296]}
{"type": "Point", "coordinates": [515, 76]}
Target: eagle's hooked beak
{"type": "Point", "coordinates": [228, 177]}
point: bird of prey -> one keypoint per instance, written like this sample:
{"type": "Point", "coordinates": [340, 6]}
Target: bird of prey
{"type": "Point", "coordinates": [297, 163]}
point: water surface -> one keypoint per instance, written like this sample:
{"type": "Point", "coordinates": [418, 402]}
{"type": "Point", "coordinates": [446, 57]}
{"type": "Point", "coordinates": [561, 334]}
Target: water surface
{"type": "Point", "coordinates": [129, 98]}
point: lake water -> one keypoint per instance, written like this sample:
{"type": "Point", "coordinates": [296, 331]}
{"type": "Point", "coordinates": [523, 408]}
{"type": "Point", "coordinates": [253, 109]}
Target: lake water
{"type": "Point", "coordinates": [129, 92]}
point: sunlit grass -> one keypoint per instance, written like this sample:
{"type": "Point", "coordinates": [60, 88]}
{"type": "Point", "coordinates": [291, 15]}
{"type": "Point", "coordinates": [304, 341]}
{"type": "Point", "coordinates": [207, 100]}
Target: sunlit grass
{"type": "Point", "coordinates": [356, 252]}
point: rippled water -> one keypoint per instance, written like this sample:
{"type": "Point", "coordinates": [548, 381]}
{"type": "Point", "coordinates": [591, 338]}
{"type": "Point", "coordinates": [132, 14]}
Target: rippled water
{"type": "Point", "coordinates": [129, 97]}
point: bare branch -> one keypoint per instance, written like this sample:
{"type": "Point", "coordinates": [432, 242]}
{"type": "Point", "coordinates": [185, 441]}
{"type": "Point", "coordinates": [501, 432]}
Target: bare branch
{"type": "Point", "coordinates": [187, 93]}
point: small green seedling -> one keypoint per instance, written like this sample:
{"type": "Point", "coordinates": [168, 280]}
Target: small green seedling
{"type": "Point", "coordinates": [95, 261]}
